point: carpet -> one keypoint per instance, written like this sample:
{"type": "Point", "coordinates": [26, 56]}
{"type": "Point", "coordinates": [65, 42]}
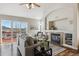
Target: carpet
{"type": "Point", "coordinates": [56, 49]}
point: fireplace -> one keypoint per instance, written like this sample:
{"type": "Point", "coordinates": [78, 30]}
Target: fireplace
{"type": "Point", "coordinates": [56, 38]}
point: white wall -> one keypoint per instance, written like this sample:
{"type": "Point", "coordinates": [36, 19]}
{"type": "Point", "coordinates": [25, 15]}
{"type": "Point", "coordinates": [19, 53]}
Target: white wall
{"type": "Point", "coordinates": [63, 18]}
{"type": "Point", "coordinates": [36, 24]}
{"type": "Point", "coordinates": [70, 12]}
{"type": "Point", "coordinates": [54, 6]}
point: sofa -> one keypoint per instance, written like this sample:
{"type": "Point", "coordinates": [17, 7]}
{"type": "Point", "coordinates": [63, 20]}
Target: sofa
{"type": "Point", "coordinates": [29, 51]}
{"type": "Point", "coordinates": [32, 47]}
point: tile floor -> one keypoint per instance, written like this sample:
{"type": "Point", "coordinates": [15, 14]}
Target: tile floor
{"type": "Point", "coordinates": [8, 50]}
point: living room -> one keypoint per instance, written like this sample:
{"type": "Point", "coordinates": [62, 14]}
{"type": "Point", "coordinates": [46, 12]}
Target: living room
{"type": "Point", "coordinates": [54, 26]}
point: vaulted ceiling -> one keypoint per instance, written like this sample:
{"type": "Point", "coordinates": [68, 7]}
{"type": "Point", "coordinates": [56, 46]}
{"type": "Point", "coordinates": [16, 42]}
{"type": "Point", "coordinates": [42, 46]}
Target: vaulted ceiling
{"type": "Point", "coordinates": [37, 13]}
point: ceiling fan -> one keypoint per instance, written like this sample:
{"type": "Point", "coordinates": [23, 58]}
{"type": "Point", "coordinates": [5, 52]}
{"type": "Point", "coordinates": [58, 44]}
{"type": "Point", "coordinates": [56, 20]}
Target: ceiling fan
{"type": "Point", "coordinates": [30, 5]}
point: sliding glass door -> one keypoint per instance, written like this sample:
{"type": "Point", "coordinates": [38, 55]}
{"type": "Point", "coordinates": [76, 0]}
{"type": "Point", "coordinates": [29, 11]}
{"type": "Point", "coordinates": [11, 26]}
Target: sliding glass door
{"type": "Point", "coordinates": [9, 31]}
{"type": "Point", "coordinates": [6, 37]}
{"type": "Point", "coordinates": [16, 29]}
{"type": "Point", "coordinates": [15, 33]}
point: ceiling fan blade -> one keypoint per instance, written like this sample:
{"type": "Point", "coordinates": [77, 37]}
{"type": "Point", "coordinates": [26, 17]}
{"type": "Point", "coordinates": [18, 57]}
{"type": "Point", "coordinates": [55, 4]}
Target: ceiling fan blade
{"type": "Point", "coordinates": [23, 3]}
{"type": "Point", "coordinates": [36, 5]}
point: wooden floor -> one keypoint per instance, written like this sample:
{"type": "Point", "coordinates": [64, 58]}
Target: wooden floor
{"type": "Point", "coordinates": [69, 52]}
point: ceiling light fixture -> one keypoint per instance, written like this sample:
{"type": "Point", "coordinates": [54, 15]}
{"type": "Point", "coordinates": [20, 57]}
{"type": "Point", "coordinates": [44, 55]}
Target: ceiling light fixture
{"type": "Point", "coordinates": [30, 5]}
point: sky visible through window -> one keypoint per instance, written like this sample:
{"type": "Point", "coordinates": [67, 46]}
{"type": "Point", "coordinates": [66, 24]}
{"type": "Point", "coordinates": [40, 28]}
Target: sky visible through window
{"type": "Point", "coordinates": [16, 24]}
{"type": "Point", "coordinates": [6, 23]}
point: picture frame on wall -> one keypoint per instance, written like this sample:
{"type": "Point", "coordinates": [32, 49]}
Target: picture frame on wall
{"type": "Point", "coordinates": [52, 25]}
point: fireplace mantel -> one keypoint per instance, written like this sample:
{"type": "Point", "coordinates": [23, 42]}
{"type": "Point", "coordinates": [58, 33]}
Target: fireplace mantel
{"type": "Point", "coordinates": [56, 31]}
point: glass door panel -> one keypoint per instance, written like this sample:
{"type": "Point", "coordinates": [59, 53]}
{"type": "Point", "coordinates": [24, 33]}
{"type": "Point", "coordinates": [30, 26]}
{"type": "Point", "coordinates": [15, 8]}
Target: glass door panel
{"type": "Point", "coordinates": [6, 38]}
{"type": "Point", "coordinates": [6, 31]}
{"type": "Point", "coordinates": [23, 27]}
{"type": "Point", "coordinates": [16, 31]}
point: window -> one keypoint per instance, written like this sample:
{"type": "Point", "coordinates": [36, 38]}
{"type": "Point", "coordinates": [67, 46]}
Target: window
{"type": "Point", "coordinates": [10, 29]}
{"type": "Point", "coordinates": [6, 31]}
